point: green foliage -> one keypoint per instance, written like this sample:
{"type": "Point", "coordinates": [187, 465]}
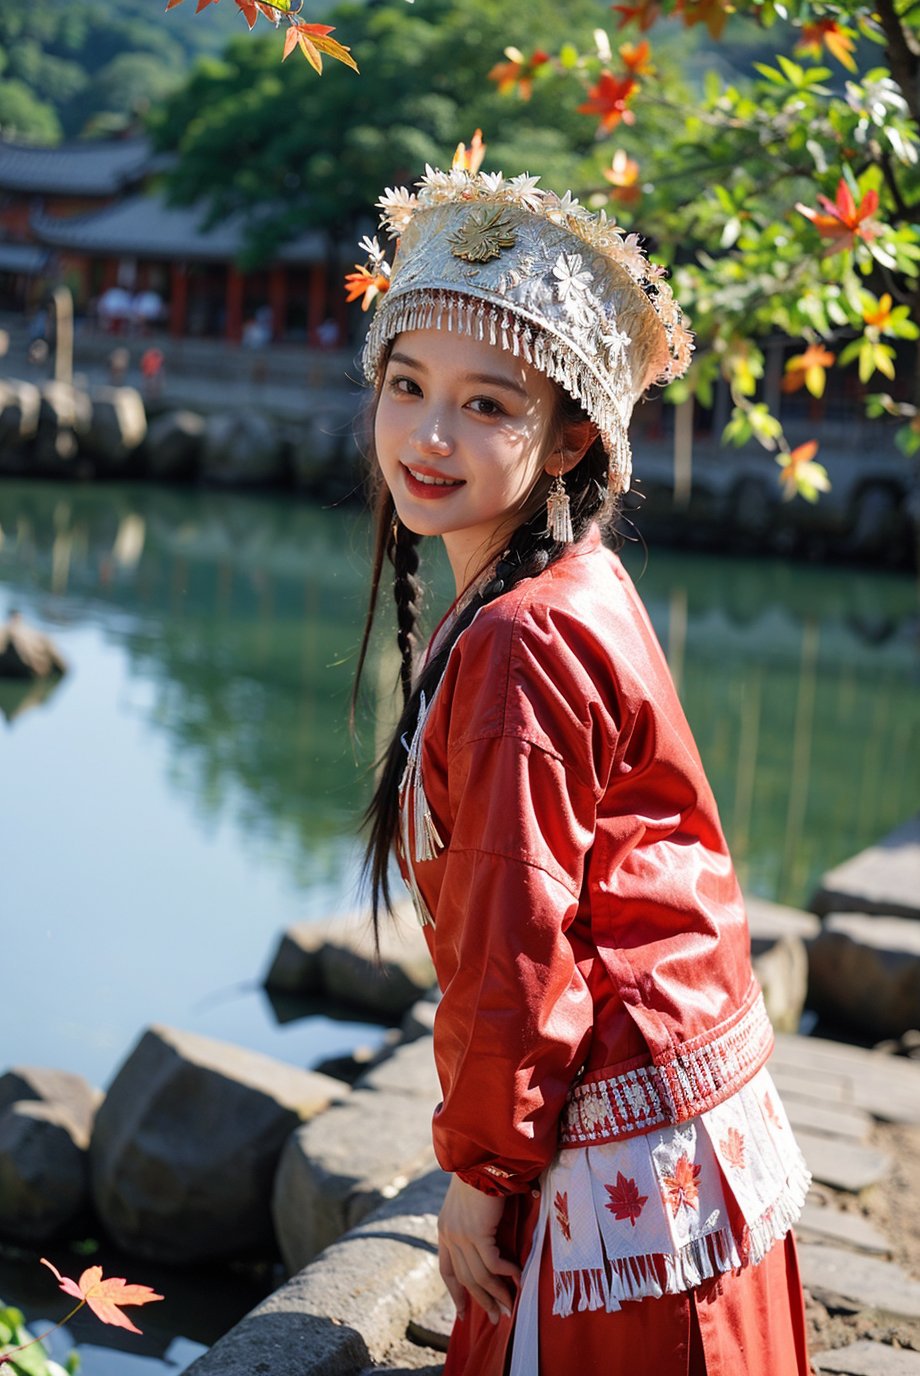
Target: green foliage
{"type": "Point", "coordinates": [34, 1361]}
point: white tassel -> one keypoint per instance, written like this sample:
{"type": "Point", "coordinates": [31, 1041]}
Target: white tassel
{"type": "Point", "coordinates": [559, 513]}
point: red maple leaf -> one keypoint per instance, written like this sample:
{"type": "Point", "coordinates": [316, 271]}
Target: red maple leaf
{"type": "Point", "coordinates": [681, 1187]}
{"type": "Point", "coordinates": [733, 1147]}
{"type": "Point", "coordinates": [625, 1199]}
{"type": "Point", "coordinates": [645, 14]}
{"type": "Point", "coordinates": [561, 1205]}
{"type": "Point", "coordinates": [843, 221]}
{"type": "Point", "coordinates": [105, 1297]}
{"type": "Point", "coordinates": [609, 98]}
{"type": "Point", "coordinates": [771, 1111]}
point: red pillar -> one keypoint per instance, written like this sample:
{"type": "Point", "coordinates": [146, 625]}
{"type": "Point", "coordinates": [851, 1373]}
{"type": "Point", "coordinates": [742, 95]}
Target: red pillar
{"type": "Point", "coordinates": [234, 327]}
{"type": "Point", "coordinates": [277, 299]}
{"type": "Point", "coordinates": [178, 300]}
{"type": "Point", "coordinates": [316, 301]}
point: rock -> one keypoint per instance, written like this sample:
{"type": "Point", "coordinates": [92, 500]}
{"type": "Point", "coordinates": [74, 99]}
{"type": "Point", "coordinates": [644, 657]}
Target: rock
{"type": "Point", "coordinates": [241, 449]}
{"type": "Point", "coordinates": [865, 1358]}
{"type": "Point", "coordinates": [346, 1311]}
{"type": "Point", "coordinates": [60, 1087]}
{"type": "Point", "coordinates": [834, 1072]}
{"type": "Point", "coordinates": [27, 653]}
{"type": "Point", "coordinates": [419, 1021]}
{"type": "Point", "coordinates": [827, 1224]}
{"type": "Point", "coordinates": [840, 1121]}
{"type": "Point", "coordinates": [296, 967]}
{"type": "Point", "coordinates": [862, 1281]}
{"type": "Point", "coordinates": [864, 972]}
{"type": "Point", "coordinates": [44, 1177]}
{"type": "Point", "coordinates": [187, 1141]}
{"type": "Point", "coordinates": [389, 988]}
{"type": "Point", "coordinates": [64, 418]}
{"type": "Point", "coordinates": [885, 878]}
{"type": "Point", "coordinates": [778, 936]}
{"type": "Point", "coordinates": [173, 447]}
{"type": "Point", "coordinates": [771, 921]}
{"type": "Point", "coordinates": [433, 1328]}
{"type": "Point", "coordinates": [20, 403]}
{"type": "Point", "coordinates": [844, 1165]}
{"type": "Point", "coordinates": [338, 1168]}
{"type": "Point", "coordinates": [118, 425]}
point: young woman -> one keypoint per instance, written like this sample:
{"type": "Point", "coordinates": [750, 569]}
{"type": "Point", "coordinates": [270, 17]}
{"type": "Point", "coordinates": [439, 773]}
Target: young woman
{"type": "Point", "coordinates": [623, 1177]}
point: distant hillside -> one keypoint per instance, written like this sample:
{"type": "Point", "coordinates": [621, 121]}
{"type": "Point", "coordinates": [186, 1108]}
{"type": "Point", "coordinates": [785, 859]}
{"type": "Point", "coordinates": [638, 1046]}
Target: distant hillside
{"type": "Point", "coordinates": [70, 68]}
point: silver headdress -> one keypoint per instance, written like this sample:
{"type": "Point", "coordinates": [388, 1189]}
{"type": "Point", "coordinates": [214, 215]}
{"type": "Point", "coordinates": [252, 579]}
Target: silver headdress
{"type": "Point", "coordinates": [536, 274]}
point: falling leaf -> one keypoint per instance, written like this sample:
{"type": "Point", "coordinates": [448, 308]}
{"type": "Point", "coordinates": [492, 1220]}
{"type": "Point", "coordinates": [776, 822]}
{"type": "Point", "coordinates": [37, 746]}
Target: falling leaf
{"type": "Point", "coordinates": [625, 1200]}
{"type": "Point", "coordinates": [105, 1297]}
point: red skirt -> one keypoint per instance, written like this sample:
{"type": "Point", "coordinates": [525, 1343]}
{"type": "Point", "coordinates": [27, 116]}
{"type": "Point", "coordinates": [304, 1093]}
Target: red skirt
{"type": "Point", "coordinates": [749, 1322]}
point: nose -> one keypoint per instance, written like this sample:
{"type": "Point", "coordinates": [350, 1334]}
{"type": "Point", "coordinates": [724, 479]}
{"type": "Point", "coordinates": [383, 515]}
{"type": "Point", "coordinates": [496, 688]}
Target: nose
{"type": "Point", "coordinates": [430, 436]}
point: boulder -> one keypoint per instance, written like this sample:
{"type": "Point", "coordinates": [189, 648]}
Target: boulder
{"type": "Point", "coordinates": [864, 973]}
{"type": "Point", "coordinates": [241, 448]}
{"type": "Point", "coordinates": [778, 936]}
{"type": "Point", "coordinates": [58, 1087]}
{"type": "Point", "coordinates": [174, 444]}
{"type": "Point", "coordinates": [884, 879]}
{"type": "Point", "coordinates": [118, 424]}
{"type": "Point", "coordinates": [64, 419]}
{"type": "Point", "coordinates": [419, 1021]}
{"type": "Point", "coordinates": [186, 1145]}
{"type": "Point", "coordinates": [338, 1168]}
{"type": "Point", "coordinates": [296, 966]}
{"type": "Point", "coordinates": [20, 403]}
{"type": "Point", "coordinates": [44, 1176]}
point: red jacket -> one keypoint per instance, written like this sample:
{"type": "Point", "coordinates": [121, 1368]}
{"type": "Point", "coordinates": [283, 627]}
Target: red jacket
{"type": "Point", "coordinates": [587, 922]}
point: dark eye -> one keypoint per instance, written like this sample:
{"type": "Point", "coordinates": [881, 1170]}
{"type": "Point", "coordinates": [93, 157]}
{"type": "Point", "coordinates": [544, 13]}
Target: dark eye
{"type": "Point", "coordinates": [486, 406]}
{"type": "Point", "coordinates": [404, 386]}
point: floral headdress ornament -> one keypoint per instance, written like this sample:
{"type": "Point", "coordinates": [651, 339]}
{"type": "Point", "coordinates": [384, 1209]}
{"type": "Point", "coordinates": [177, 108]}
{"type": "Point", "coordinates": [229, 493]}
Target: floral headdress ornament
{"type": "Point", "coordinates": [533, 272]}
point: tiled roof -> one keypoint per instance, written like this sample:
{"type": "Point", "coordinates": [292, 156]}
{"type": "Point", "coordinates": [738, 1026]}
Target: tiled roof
{"type": "Point", "coordinates": [27, 258]}
{"type": "Point", "coordinates": [86, 168]}
{"type": "Point", "coordinates": [146, 227]}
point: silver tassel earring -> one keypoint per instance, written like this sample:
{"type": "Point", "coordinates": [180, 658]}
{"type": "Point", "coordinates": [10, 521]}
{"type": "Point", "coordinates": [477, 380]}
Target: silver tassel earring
{"type": "Point", "coordinates": [559, 512]}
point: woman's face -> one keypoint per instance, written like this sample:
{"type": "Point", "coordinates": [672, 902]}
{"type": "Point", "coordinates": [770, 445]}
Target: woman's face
{"type": "Point", "coordinates": [462, 431]}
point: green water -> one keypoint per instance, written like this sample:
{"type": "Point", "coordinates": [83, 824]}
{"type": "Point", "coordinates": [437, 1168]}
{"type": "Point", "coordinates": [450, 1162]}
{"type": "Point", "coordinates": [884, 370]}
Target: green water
{"type": "Point", "coordinates": [191, 788]}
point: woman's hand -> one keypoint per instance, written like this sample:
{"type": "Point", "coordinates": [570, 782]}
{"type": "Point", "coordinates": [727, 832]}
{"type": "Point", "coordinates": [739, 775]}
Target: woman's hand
{"type": "Point", "coordinates": [468, 1253]}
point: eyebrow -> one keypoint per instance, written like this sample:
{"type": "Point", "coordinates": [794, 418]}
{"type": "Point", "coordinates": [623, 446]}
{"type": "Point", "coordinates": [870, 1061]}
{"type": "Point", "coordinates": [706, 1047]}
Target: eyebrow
{"type": "Point", "coordinates": [490, 379]}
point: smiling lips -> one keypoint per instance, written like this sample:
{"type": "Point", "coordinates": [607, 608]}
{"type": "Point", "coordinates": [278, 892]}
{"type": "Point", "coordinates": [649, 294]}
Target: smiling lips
{"type": "Point", "coordinates": [428, 483]}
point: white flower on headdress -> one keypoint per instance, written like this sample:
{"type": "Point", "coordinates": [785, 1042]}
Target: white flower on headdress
{"type": "Point", "coordinates": [525, 191]}
{"type": "Point", "coordinates": [655, 271]}
{"type": "Point", "coordinates": [375, 254]}
{"type": "Point", "coordinates": [572, 284]}
{"type": "Point", "coordinates": [398, 205]}
{"type": "Point", "coordinates": [491, 182]}
{"type": "Point", "coordinates": [632, 257]}
{"type": "Point", "coordinates": [613, 342]}
{"type": "Point", "coordinates": [561, 209]}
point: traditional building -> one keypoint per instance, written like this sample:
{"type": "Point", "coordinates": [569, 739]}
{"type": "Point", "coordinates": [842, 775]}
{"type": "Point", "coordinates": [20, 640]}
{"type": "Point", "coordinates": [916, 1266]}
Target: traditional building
{"type": "Point", "coordinates": [89, 214]}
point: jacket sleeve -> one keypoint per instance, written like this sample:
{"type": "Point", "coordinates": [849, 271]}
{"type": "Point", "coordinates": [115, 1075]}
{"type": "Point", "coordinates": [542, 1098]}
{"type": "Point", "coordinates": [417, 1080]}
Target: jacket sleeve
{"type": "Point", "coordinates": [515, 1018]}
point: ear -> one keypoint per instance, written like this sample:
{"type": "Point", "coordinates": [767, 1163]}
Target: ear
{"type": "Point", "coordinates": [578, 440]}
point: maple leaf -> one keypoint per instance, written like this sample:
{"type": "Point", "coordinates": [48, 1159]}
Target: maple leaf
{"type": "Point", "coordinates": [625, 1200]}
{"type": "Point", "coordinates": [608, 98]}
{"type": "Point", "coordinates": [561, 1205]}
{"type": "Point", "coordinates": [771, 1111]}
{"type": "Point", "coordinates": [712, 13]}
{"type": "Point", "coordinates": [105, 1297]}
{"type": "Point", "coordinates": [518, 71]}
{"type": "Point", "coordinates": [830, 34]}
{"type": "Point", "coordinates": [313, 40]}
{"type": "Point", "coordinates": [800, 474]}
{"type": "Point", "coordinates": [733, 1147]}
{"type": "Point", "coordinates": [644, 14]}
{"type": "Point", "coordinates": [635, 58]}
{"type": "Point", "coordinates": [879, 315]}
{"type": "Point", "coordinates": [843, 222]}
{"type": "Point", "coordinates": [808, 370]}
{"type": "Point", "coordinates": [681, 1187]}
{"type": "Point", "coordinates": [362, 282]}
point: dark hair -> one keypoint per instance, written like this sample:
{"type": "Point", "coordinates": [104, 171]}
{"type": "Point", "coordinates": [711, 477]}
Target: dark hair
{"type": "Point", "coordinates": [530, 549]}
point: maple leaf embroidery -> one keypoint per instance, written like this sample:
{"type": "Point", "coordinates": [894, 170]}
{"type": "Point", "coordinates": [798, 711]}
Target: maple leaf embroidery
{"type": "Point", "coordinates": [681, 1187]}
{"type": "Point", "coordinates": [561, 1205]}
{"type": "Point", "coordinates": [482, 236]}
{"type": "Point", "coordinates": [625, 1200]}
{"type": "Point", "coordinates": [771, 1111]}
{"type": "Point", "coordinates": [733, 1148]}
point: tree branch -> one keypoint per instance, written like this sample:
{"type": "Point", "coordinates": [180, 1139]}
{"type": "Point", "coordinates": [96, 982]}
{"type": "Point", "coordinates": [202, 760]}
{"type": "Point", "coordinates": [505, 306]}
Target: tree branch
{"type": "Point", "coordinates": [902, 55]}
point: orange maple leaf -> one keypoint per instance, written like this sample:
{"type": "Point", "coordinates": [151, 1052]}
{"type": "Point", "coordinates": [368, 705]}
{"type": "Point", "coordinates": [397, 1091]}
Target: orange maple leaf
{"type": "Point", "coordinates": [799, 472]}
{"type": "Point", "coordinates": [808, 370]}
{"type": "Point", "coordinates": [105, 1297]}
{"type": "Point", "coordinates": [518, 71]}
{"type": "Point", "coordinates": [712, 13]}
{"type": "Point", "coordinates": [681, 1187]}
{"type": "Point", "coordinates": [843, 222]}
{"type": "Point", "coordinates": [561, 1206]}
{"type": "Point", "coordinates": [609, 98]}
{"type": "Point", "coordinates": [879, 314]}
{"type": "Point", "coordinates": [625, 1200]}
{"type": "Point", "coordinates": [644, 14]}
{"type": "Point", "coordinates": [733, 1147]}
{"type": "Point", "coordinates": [635, 58]}
{"type": "Point", "coordinates": [313, 40]}
{"type": "Point", "coordinates": [830, 34]}
{"type": "Point", "coordinates": [362, 282]}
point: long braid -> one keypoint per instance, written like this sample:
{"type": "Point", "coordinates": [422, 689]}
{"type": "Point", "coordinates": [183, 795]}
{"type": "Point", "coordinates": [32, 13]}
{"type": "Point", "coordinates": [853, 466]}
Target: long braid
{"type": "Point", "coordinates": [407, 593]}
{"type": "Point", "coordinates": [530, 550]}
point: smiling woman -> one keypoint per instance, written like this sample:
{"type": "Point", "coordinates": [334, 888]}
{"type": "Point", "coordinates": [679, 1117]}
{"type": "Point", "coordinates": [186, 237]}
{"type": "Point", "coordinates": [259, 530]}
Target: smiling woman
{"type": "Point", "coordinates": [624, 1179]}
